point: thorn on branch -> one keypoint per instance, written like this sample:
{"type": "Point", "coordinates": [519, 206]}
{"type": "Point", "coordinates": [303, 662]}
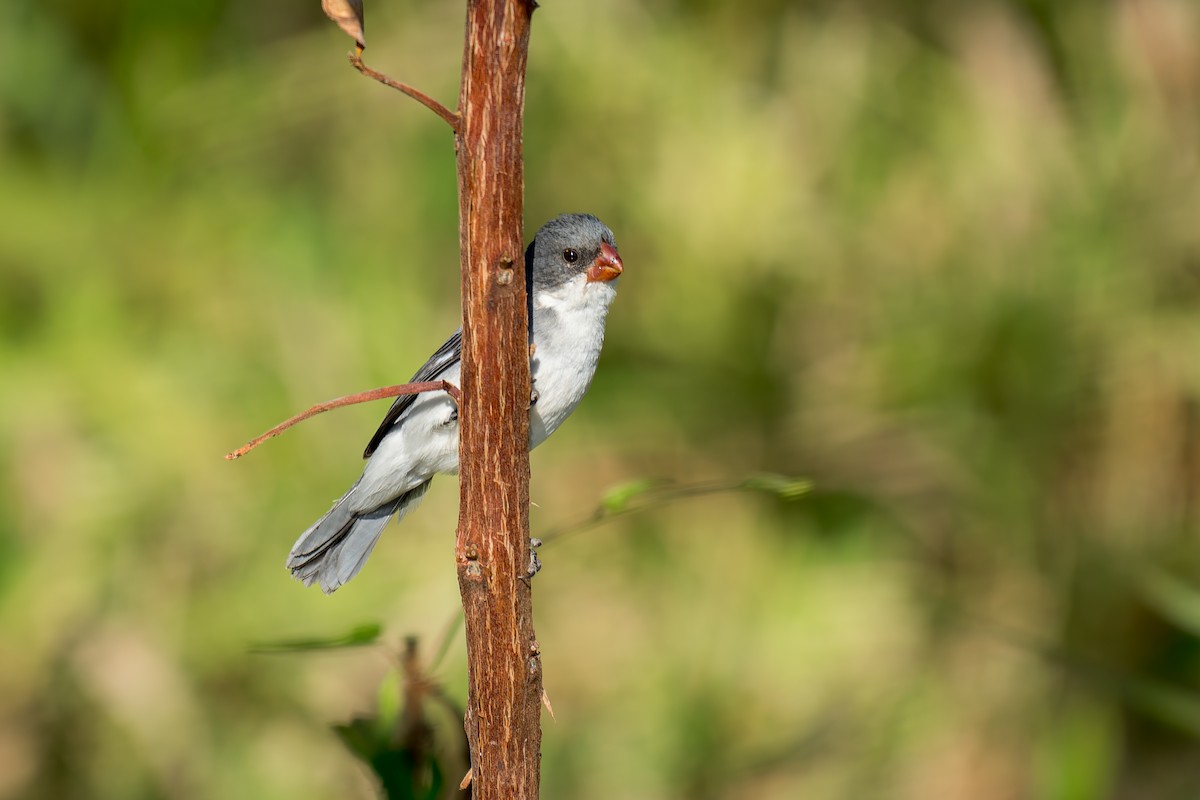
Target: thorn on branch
{"type": "Point", "coordinates": [349, 400]}
{"type": "Point", "coordinates": [449, 116]}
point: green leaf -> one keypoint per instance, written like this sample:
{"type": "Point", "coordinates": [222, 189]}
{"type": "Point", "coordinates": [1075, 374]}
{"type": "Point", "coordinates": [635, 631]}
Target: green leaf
{"type": "Point", "coordinates": [360, 737]}
{"type": "Point", "coordinates": [617, 499]}
{"type": "Point", "coordinates": [401, 778]}
{"type": "Point", "coordinates": [388, 703]}
{"type": "Point", "coordinates": [437, 779]}
{"type": "Point", "coordinates": [361, 635]}
{"type": "Point", "coordinates": [782, 486]}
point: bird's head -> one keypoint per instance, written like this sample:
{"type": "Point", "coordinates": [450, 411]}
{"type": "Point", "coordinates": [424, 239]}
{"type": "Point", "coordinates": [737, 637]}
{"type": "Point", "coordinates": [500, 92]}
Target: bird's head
{"type": "Point", "coordinates": [572, 245]}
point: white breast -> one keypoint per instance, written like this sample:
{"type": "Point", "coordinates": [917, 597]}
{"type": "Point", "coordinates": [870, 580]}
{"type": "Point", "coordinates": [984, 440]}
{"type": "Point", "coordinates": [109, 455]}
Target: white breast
{"type": "Point", "coordinates": [569, 332]}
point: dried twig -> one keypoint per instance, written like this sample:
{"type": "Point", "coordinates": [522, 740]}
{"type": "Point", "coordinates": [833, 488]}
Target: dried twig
{"type": "Point", "coordinates": [416, 94]}
{"type": "Point", "coordinates": [348, 400]}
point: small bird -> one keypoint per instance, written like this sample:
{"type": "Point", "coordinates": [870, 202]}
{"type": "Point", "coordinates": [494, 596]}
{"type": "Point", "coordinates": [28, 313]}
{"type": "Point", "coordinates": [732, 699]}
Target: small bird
{"type": "Point", "coordinates": [572, 267]}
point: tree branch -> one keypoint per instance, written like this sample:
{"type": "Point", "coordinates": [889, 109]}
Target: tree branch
{"type": "Point", "coordinates": [492, 548]}
{"type": "Point", "coordinates": [451, 118]}
{"type": "Point", "coordinates": [348, 400]}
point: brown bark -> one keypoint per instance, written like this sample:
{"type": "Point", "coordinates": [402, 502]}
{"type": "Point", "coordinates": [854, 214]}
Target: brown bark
{"type": "Point", "coordinates": [492, 550]}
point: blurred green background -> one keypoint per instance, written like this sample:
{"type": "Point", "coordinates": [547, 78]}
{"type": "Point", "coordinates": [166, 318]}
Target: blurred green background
{"type": "Point", "coordinates": [942, 259]}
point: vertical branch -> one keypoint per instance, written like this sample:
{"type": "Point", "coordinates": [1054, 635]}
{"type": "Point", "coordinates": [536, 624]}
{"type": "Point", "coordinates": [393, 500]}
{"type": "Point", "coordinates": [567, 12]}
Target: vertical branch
{"type": "Point", "coordinates": [492, 549]}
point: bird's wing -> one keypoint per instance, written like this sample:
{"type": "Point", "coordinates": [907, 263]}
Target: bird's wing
{"type": "Point", "coordinates": [446, 357]}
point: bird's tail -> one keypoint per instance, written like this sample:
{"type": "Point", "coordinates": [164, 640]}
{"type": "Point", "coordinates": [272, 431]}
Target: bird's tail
{"type": "Point", "coordinates": [335, 548]}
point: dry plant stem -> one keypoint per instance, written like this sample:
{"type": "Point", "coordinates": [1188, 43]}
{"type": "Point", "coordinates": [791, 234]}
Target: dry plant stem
{"type": "Point", "coordinates": [348, 400]}
{"type": "Point", "coordinates": [416, 94]}
{"type": "Point", "coordinates": [492, 550]}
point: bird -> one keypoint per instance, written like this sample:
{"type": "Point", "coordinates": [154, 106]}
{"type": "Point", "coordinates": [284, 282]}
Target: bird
{"type": "Point", "coordinates": [572, 266]}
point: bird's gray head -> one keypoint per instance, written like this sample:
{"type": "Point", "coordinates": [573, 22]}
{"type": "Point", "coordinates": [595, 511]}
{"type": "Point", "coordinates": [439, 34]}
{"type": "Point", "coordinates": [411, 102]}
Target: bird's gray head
{"type": "Point", "coordinates": [571, 245]}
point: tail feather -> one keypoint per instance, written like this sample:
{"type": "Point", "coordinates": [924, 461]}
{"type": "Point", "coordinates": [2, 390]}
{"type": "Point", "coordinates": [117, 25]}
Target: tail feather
{"type": "Point", "coordinates": [335, 548]}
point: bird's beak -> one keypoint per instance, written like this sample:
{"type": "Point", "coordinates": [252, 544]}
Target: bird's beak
{"type": "Point", "coordinates": [607, 265]}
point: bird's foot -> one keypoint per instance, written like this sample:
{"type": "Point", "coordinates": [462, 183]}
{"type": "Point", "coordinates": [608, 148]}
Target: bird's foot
{"type": "Point", "coordinates": [533, 397]}
{"type": "Point", "coordinates": [535, 563]}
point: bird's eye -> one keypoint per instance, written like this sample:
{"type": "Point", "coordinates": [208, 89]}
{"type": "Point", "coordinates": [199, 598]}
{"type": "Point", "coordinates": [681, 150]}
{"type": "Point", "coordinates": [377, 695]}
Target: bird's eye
{"type": "Point", "coordinates": [570, 255]}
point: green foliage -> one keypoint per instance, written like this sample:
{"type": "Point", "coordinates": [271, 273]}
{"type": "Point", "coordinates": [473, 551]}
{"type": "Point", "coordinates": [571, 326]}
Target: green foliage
{"type": "Point", "coordinates": [399, 777]}
{"type": "Point", "coordinates": [367, 633]}
{"type": "Point", "coordinates": [397, 749]}
{"type": "Point", "coordinates": [939, 259]}
{"type": "Point", "coordinates": [398, 742]}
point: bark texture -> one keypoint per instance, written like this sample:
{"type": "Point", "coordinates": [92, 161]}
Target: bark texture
{"type": "Point", "coordinates": [492, 549]}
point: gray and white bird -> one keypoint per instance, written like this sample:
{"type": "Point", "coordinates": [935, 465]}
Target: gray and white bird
{"type": "Point", "coordinates": [571, 270]}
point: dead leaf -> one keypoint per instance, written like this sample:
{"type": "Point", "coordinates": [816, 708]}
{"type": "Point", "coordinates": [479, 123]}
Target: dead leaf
{"type": "Point", "coordinates": [466, 781]}
{"type": "Point", "coordinates": [348, 14]}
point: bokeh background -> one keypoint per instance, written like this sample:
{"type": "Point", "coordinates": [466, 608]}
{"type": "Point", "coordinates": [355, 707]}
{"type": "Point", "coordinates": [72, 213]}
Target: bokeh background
{"type": "Point", "coordinates": [941, 259]}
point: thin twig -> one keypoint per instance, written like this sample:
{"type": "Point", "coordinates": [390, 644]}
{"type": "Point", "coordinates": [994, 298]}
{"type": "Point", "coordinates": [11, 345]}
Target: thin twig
{"type": "Point", "coordinates": [348, 400]}
{"type": "Point", "coordinates": [654, 497]}
{"type": "Point", "coordinates": [660, 496]}
{"type": "Point", "coordinates": [416, 94]}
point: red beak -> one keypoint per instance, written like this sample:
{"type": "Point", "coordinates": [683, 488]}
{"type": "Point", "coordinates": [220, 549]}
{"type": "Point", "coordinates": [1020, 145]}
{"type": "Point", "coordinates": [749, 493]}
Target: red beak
{"type": "Point", "coordinates": [607, 265]}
